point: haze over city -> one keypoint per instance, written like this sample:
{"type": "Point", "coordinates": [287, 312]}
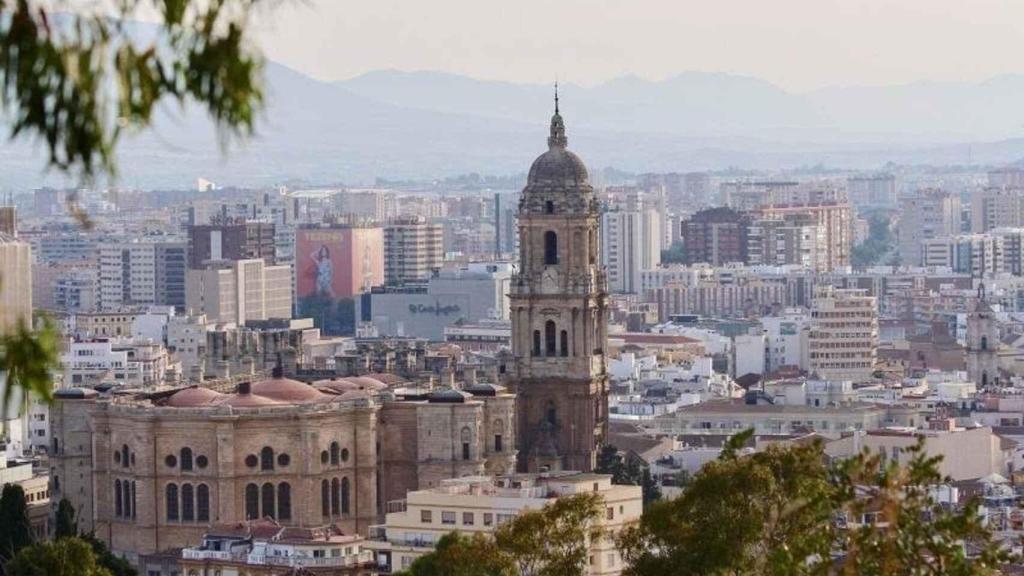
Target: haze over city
{"type": "Point", "coordinates": [451, 288]}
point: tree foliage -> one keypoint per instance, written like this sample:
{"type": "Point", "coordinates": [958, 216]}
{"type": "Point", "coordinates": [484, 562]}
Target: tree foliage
{"type": "Point", "coordinates": [879, 244]}
{"type": "Point", "coordinates": [79, 80]}
{"type": "Point", "coordinates": [116, 565]}
{"type": "Point", "coordinates": [459, 555]}
{"type": "Point", "coordinates": [64, 557]}
{"type": "Point", "coordinates": [66, 525]}
{"type": "Point", "coordinates": [628, 472]}
{"type": "Point", "coordinates": [552, 541]}
{"type": "Point", "coordinates": [15, 530]}
{"type": "Point", "coordinates": [28, 359]}
{"type": "Point", "coordinates": [785, 511]}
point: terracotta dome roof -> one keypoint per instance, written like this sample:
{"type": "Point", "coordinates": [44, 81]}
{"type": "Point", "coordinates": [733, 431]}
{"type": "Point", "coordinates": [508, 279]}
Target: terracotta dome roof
{"type": "Point", "coordinates": [247, 401]}
{"type": "Point", "coordinates": [339, 386]}
{"type": "Point", "coordinates": [287, 390]}
{"type": "Point", "coordinates": [368, 382]}
{"type": "Point", "coordinates": [354, 395]}
{"type": "Point", "coordinates": [387, 378]}
{"type": "Point", "coordinates": [193, 397]}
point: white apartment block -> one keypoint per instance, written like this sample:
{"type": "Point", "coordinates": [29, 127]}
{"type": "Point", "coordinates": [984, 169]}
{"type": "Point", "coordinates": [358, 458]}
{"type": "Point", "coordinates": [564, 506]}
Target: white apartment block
{"type": "Point", "coordinates": [240, 291]}
{"type": "Point", "coordinates": [786, 336]}
{"type": "Point", "coordinates": [843, 340]}
{"type": "Point", "coordinates": [480, 503]}
{"type": "Point", "coordinates": [630, 243]}
{"type": "Point", "coordinates": [996, 208]}
{"type": "Point", "coordinates": [131, 362]}
{"type": "Point", "coordinates": [127, 275]}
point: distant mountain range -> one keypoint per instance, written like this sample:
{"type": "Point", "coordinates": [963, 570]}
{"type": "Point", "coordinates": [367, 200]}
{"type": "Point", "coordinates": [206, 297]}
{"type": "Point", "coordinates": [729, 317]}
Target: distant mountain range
{"type": "Point", "coordinates": [426, 125]}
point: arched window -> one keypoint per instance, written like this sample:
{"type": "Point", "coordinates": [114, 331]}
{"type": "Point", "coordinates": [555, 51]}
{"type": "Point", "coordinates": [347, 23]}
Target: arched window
{"type": "Point", "coordinates": [466, 437]}
{"type": "Point", "coordinates": [55, 451]}
{"type": "Point", "coordinates": [133, 498]}
{"type": "Point", "coordinates": [268, 500]}
{"type": "Point", "coordinates": [124, 455]}
{"type": "Point", "coordinates": [335, 453]}
{"type": "Point", "coordinates": [118, 510]}
{"type": "Point", "coordinates": [325, 497]}
{"type": "Point", "coordinates": [267, 458]}
{"type": "Point", "coordinates": [203, 503]}
{"type": "Point", "coordinates": [335, 495]}
{"type": "Point", "coordinates": [550, 248]}
{"type": "Point", "coordinates": [188, 504]}
{"type": "Point", "coordinates": [552, 415]}
{"type": "Point", "coordinates": [172, 502]}
{"type": "Point", "coordinates": [345, 509]}
{"type": "Point", "coordinates": [252, 502]}
{"type": "Point", "coordinates": [565, 343]}
{"type": "Point", "coordinates": [284, 501]}
{"type": "Point", "coordinates": [536, 342]}
{"type": "Point", "coordinates": [186, 459]}
{"type": "Point", "coordinates": [984, 379]}
{"type": "Point", "coordinates": [549, 338]}
{"type": "Point", "coordinates": [549, 207]}
{"type": "Point", "coordinates": [984, 342]}
{"type": "Point", "coordinates": [126, 489]}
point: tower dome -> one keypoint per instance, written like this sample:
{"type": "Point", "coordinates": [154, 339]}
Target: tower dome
{"type": "Point", "coordinates": [558, 167]}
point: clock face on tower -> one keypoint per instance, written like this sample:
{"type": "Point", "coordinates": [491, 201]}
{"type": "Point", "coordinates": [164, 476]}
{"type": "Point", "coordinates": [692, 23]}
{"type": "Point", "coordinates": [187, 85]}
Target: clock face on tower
{"type": "Point", "coordinates": [559, 328]}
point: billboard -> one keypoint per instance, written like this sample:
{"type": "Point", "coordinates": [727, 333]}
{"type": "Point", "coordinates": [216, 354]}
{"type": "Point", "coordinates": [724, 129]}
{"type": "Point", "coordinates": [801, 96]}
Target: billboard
{"type": "Point", "coordinates": [332, 267]}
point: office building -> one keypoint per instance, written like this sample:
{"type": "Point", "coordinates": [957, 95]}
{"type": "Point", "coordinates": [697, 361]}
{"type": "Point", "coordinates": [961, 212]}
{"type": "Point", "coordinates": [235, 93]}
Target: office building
{"type": "Point", "coordinates": [134, 274]}
{"type": "Point", "coordinates": [996, 208]}
{"type": "Point", "coordinates": [977, 255]}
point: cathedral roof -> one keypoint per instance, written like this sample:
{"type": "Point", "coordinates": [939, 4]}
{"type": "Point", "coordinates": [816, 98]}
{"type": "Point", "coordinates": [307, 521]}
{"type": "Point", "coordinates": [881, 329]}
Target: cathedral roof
{"type": "Point", "coordinates": [558, 167]}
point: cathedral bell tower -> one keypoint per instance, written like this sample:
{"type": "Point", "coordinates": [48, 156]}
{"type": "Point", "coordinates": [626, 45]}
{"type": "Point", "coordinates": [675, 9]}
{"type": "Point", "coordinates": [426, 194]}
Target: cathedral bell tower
{"type": "Point", "coordinates": [559, 305]}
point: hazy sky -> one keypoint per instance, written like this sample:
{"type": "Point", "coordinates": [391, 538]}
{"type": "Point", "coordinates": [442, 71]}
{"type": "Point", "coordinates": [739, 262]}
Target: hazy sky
{"type": "Point", "coordinates": [798, 44]}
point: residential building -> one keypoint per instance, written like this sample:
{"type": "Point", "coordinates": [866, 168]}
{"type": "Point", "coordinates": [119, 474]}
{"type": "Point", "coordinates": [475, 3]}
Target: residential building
{"type": "Point", "coordinates": [977, 255]}
{"type": "Point", "coordinates": [997, 207]}
{"type": "Point", "coordinates": [15, 283]}
{"type": "Point", "coordinates": [716, 236]}
{"type": "Point", "coordinates": [834, 220]}
{"type": "Point", "coordinates": [265, 547]}
{"type": "Point", "coordinates": [480, 504]}
{"type": "Point", "coordinates": [413, 249]}
{"type": "Point", "coordinates": [141, 273]}
{"type": "Point", "coordinates": [240, 291]}
{"type": "Point", "coordinates": [630, 242]}
{"type": "Point", "coordinates": [876, 190]}
{"type": "Point", "coordinates": [843, 340]}
{"type": "Point", "coordinates": [226, 238]}
{"type": "Point", "coordinates": [928, 214]}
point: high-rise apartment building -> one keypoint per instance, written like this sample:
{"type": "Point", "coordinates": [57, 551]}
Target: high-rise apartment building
{"type": "Point", "coordinates": [1008, 177]}
{"type": "Point", "coordinates": [716, 236]}
{"type": "Point", "coordinates": [843, 339]}
{"type": "Point", "coordinates": [996, 208]}
{"type": "Point", "coordinates": [631, 242]}
{"type": "Point", "coordinates": [413, 249]}
{"type": "Point", "coordinates": [230, 239]}
{"type": "Point", "coordinates": [976, 254]}
{"type": "Point", "coordinates": [876, 190]}
{"type": "Point", "coordinates": [928, 214]}
{"type": "Point", "coordinates": [15, 283]}
{"type": "Point", "coordinates": [786, 241]}
{"type": "Point", "coordinates": [142, 273]}
{"type": "Point", "coordinates": [240, 291]}
{"type": "Point", "coordinates": [835, 221]}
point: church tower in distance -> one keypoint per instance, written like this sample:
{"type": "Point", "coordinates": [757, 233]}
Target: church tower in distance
{"type": "Point", "coordinates": [559, 303]}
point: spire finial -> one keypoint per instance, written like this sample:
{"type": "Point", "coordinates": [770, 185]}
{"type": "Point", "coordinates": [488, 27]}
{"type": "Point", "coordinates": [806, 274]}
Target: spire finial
{"type": "Point", "coordinates": [557, 138]}
{"type": "Point", "coordinates": [556, 96]}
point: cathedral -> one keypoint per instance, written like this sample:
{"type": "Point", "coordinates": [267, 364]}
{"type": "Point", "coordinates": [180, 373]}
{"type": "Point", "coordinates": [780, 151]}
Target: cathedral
{"type": "Point", "coordinates": [559, 303]}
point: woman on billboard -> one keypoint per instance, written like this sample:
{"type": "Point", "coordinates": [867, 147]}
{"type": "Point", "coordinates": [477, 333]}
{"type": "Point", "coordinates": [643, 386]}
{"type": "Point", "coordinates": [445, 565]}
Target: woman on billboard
{"type": "Point", "coordinates": [324, 271]}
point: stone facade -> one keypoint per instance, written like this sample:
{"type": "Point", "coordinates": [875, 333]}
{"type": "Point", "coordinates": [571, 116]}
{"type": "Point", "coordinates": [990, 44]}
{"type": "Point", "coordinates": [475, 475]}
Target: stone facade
{"type": "Point", "coordinates": [445, 434]}
{"type": "Point", "coordinates": [559, 305]}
